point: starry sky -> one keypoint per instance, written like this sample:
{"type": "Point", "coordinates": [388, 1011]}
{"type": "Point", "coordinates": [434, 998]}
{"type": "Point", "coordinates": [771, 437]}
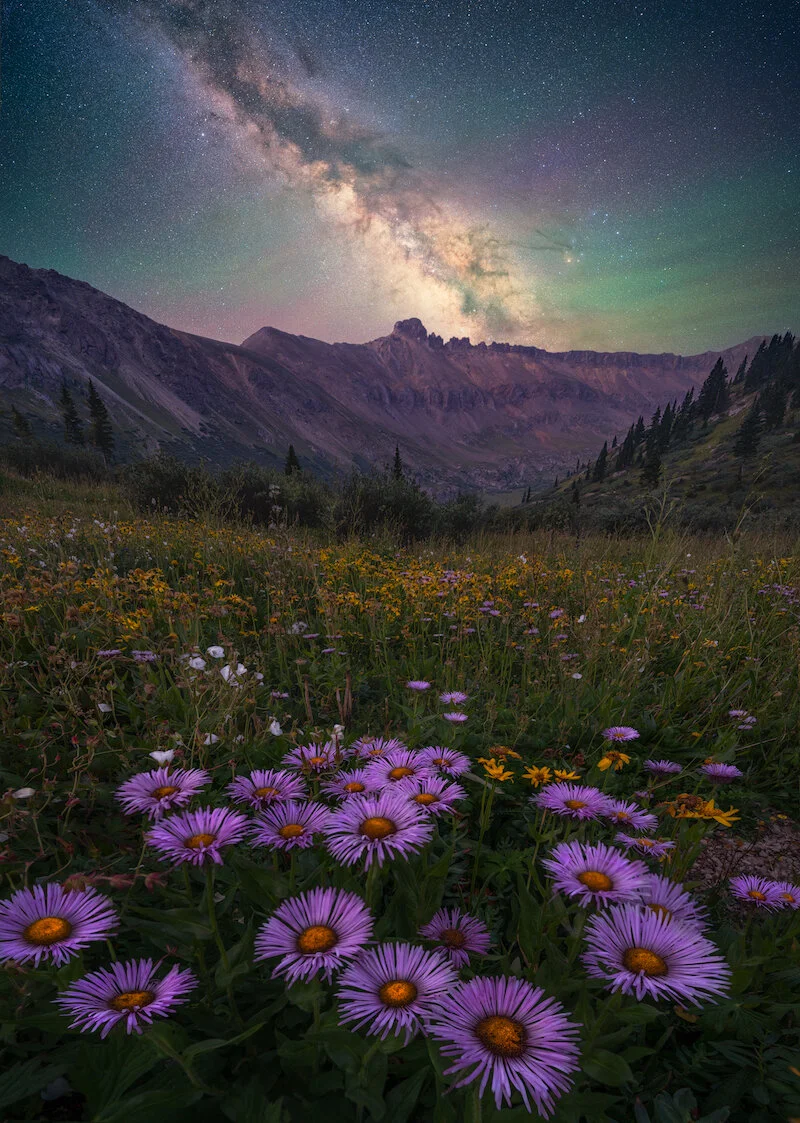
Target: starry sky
{"type": "Point", "coordinates": [606, 174]}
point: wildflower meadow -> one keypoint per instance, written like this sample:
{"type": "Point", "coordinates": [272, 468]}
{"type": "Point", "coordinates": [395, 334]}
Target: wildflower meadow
{"type": "Point", "coordinates": [295, 831]}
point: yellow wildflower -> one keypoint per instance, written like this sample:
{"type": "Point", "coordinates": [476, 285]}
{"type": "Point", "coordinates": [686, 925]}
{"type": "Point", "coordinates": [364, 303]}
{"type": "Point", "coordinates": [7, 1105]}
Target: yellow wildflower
{"type": "Point", "coordinates": [619, 760]}
{"type": "Point", "coordinates": [538, 776]}
{"type": "Point", "coordinates": [495, 770]}
{"type": "Point", "coordinates": [563, 774]}
{"type": "Point", "coordinates": [502, 752]}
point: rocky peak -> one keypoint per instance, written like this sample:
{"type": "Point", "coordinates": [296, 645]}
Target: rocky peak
{"type": "Point", "coordinates": [411, 329]}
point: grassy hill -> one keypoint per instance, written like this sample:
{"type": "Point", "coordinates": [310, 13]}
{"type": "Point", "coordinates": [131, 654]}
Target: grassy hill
{"type": "Point", "coordinates": [704, 472]}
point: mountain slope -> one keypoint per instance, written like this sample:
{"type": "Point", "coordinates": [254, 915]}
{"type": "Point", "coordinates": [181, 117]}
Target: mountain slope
{"type": "Point", "coordinates": [483, 416]}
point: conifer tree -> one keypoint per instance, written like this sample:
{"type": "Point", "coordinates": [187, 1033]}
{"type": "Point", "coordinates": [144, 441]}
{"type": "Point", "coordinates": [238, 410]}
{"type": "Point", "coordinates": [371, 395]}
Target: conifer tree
{"type": "Point", "coordinates": [601, 463]}
{"type": "Point", "coordinates": [739, 376]}
{"type": "Point", "coordinates": [651, 471]}
{"type": "Point", "coordinates": [713, 396]}
{"type": "Point", "coordinates": [102, 434]}
{"type": "Point", "coordinates": [639, 432]}
{"type": "Point", "coordinates": [746, 443]}
{"type": "Point", "coordinates": [397, 467]}
{"type": "Point", "coordinates": [292, 463]}
{"type": "Point", "coordinates": [614, 442]}
{"type": "Point", "coordinates": [73, 428]}
{"type": "Point", "coordinates": [22, 426]}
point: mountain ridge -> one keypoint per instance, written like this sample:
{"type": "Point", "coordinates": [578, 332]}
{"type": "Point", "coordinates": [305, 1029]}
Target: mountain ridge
{"type": "Point", "coordinates": [486, 416]}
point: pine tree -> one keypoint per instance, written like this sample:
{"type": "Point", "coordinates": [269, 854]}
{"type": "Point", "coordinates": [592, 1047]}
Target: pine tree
{"type": "Point", "coordinates": [102, 434]}
{"type": "Point", "coordinates": [397, 467]}
{"type": "Point", "coordinates": [614, 442]}
{"type": "Point", "coordinates": [601, 463]}
{"type": "Point", "coordinates": [739, 376]}
{"type": "Point", "coordinates": [651, 472]}
{"type": "Point", "coordinates": [713, 396]}
{"type": "Point", "coordinates": [639, 432]}
{"type": "Point", "coordinates": [773, 404]}
{"type": "Point", "coordinates": [292, 463]}
{"type": "Point", "coordinates": [665, 428]}
{"type": "Point", "coordinates": [746, 443]}
{"type": "Point", "coordinates": [588, 474]}
{"type": "Point", "coordinates": [555, 485]}
{"type": "Point", "coordinates": [21, 424]}
{"type": "Point", "coordinates": [73, 427]}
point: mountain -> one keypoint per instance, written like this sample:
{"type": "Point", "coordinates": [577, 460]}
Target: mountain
{"type": "Point", "coordinates": [475, 416]}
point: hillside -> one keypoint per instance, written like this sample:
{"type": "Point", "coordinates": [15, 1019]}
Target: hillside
{"type": "Point", "coordinates": [481, 417]}
{"type": "Point", "coordinates": [743, 457]}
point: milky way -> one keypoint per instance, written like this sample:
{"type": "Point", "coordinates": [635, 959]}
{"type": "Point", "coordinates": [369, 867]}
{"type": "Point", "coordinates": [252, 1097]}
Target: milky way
{"type": "Point", "coordinates": [607, 175]}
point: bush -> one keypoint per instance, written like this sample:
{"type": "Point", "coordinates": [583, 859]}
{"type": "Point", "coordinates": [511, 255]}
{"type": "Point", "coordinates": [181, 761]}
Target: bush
{"type": "Point", "coordinates": [367, 504]}
{"type": "Point", "coordinates": [34, 459]}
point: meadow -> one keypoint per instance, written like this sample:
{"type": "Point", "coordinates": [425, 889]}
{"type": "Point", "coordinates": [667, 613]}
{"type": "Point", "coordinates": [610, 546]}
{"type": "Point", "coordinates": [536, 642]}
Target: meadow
{"type": "Point", "coordinates": [293, 829]}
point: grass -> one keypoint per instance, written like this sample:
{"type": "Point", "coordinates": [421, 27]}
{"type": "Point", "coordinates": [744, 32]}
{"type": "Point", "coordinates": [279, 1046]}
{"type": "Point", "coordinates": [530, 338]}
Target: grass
{"type": "Point", "coordinates": [551, 640]}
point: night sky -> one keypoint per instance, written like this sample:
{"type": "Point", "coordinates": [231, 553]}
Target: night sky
{"type": "Point", "coordinates": [609, 175]}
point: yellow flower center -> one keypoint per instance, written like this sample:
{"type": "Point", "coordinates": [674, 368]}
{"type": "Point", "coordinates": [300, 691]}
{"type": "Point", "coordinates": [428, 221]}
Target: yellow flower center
{"type": "Point", "coordinates": [453, 938]}
{"type": "Point", "coordinates": [198, 840]}
{"type": "Point", "coordinates": [642, 959]}
{"type": "Point", "coordinates": [316, 760]}
{"type": "Point", "coordinates": [291, 830]}
{"type": "Point", "coordinates": [502, 1036]}
{"type": "Point", "coordinates": [47, 930]}
{"type": "Point", "coordinates": [377, 827]}
{"type": "Point", "coordinates": [645, 842]}
{"type": "Point", "coordinates": [756, 895]}
{"type": "Point", "coordinates": [319, 937]}
{"type": "Point", "coordinates": [262, 793]}
{"type": "Point", "coordinates": [595, 880]}
{"type": "Point", "coordinates": [442, 761]}
{"type": "Point", "coordinates": [131, 1000]}
{"type": "Point", "coordinates": [790, 897]}
{"type": "Point", "coordinates": [354, 786]}
{"type": "Point", "coordinates": [659, 910]}
{"type": "Point", "coordinates": [426, 798]}
{"type": "Point", "coordinates": [160, 793]}
{"type": "Point", "coordinates": [574, 804]}
{"type": "Point", "coordinates": [400, 772]}
{"type": "Point", "coordinates": [622, 816]}
{"type": "Point", "coordinates": [398, 992]}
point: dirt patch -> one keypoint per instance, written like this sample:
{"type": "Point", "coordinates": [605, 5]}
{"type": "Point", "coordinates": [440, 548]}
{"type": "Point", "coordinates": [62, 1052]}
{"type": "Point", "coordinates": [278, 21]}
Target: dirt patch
{"type": "Point", "coordinates": [773, 852]}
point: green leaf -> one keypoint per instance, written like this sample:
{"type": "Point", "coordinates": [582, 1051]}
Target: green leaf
{"type": "Point", "coordinates": [607, 1068]}
{"type": "Point", "coordinates": [402, 1099]}
{"type": "Point", "coordinates": [26, 1078]}
{"type": "Point", "coordinates": [638, 1015]}
{"type": "Point", "coordinates": [217, 1043]}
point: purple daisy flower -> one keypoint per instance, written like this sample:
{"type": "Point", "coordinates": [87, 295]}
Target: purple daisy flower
{"type": "Point", "coordinates": [453, 697]}
{"type": "Point", "coordinates": [433, 793]}
{"type": "Point", "coordinates": [457, 934]}
{"type": "Point", "coordinates": [391, 988]}
{"type": "Point", "coordinates": [313, 758]}
{"type": "Point", "coordinates": [574, 801]}
{"type": "Point", "coordinates": [788, 894]}
{"type": "Point", "coordinates": [445, 760]}
{"type": "Point", "coordinates": [144, 656]}
{"type": "Point", "coordinates": [399, 764]}
{"type": "Point", "coordinates": [128, 992]}
{"type": "Point", "coordinates": [721, 773]}
{"type": "Point", "coordinates": [506, 1031]}
{"type": "Point", "coordinates": [109, 653]}
{"type": "Point", "coordinates": [374, 747]}
{"type": "Point", "coordinates": [346, 784]}
{"type": "Point", "coordinates": [621, 733]}
{"type": "Point", "coordinates": [198, 836]}
{"type": "Point", "coordinates": [629, 815]}
{"type": "Point", "coordinates": [376, 827]}
{"type": "Point", "coordinates": [418, 684]}
{"type": "Point", "coordinates": [52, 923]}
{"type": "Point", "coordinates": [596, 875]}
{"type": "Point", "coordinates": [635, 950]}
{"type": "Point", "coordinates": [756, 891]}
{"type": "Point", "coordinates": [669, 899]}
{"type": "Point", "coordinates": [317, 931]}
{"type": "Point", "coordinates": [290, 825]}
{"type": "Point", "coordinates": [654, 847]}
{"type": "Point", "coordinates": [265, 786]}
{"type": "Point", "coordinates": [662, 767]}
{"type": "Point", "coordinates": [160, 790]}
{"type": "Point", "coordinates": [455, 716]}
